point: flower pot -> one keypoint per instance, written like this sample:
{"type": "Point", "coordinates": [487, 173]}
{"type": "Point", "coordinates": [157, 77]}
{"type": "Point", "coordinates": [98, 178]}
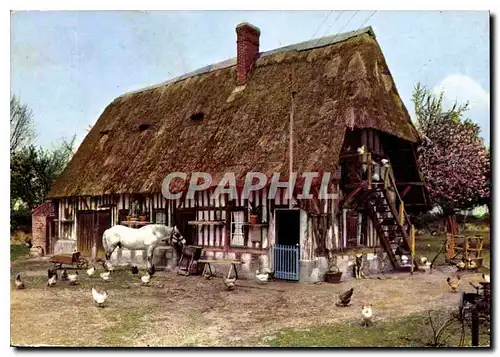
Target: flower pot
{"type": "Point", "coordinates": [254, 219]}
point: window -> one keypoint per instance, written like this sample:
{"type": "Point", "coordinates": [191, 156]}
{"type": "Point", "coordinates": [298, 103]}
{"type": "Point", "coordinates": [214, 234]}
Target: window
{"type": "Point", "coordinates": [160, 217]}
{"type": "Point", "coordinates": [239, 233]}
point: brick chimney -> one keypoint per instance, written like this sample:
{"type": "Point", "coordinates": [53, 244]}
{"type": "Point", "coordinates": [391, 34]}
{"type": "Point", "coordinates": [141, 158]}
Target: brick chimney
{"type": "Point", "coordinates": [247, 40]}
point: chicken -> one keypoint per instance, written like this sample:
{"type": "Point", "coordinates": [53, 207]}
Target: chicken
{"type": "Point", "coordinates": [73, 278]}
{"type": "Point", "coordinates": [486, 277]}
{"type": "Point", "coordinates": [366, 315]}
{"type": "Point", "coordinates": [261, 278]}
{"type": "Point", "coordinates": [472, 264]}
{"type": "Point", "coordinates": [151, 270]}
{"type": "Point", "coordinates": [91, 271]}
{"type": "Point", "coordinates": [423, 260]}
{"type": "Point", "coordinates": [229, 282]}
{"type": "Point", "coordinates": [64, 276]}
{"type": "Point", "coordinates": [384, 161]}
{"type": "Point", "coordinates": [20, 284]}
{"type": "Point", "coordinates": [207, 274]}
{"type": "Point", "coordinates": [99, 297]}
{"type": "Point", "coordinates": [134, 270]}
{"type": "Point", "coordinates": [361, 149]}
{"type": "Point", "coordinates": [146, 279]}
{"type": "Point", "coordinates": [404, 259]}
{"type": "Point", "coordinates": [461, 265]}
{"type": "Point", "coordinates": [345, 298]}
{"type": "Point", "coordinates": [51, 272]}
{"type": "Point", "coordinates": [454, 283]}
{"type": "Point", "coordinates": [52, 281]}
{"type": "Point", "coordinates": [105, 275]}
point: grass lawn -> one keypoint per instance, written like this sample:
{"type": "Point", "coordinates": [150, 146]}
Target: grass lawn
{"type": "Point", "coordinates": [18, 251]}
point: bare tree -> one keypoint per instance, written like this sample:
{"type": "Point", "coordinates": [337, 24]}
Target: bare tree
{"type": "Point", "coordinates": [22, 132]}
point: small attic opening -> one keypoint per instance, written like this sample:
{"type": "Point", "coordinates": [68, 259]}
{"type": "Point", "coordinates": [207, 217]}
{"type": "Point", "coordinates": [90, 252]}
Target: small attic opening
{"type": "Point", "coordinates": [144, 126]}
{"type": "Point", "coordinates": [198, 116]}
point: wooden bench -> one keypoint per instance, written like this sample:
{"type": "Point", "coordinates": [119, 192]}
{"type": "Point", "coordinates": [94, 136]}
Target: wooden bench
{"type": "Point", "coordinates": [233, 264]}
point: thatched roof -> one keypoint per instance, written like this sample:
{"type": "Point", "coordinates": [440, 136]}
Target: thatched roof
{"type": "Point", "coordinates": [340, 82]}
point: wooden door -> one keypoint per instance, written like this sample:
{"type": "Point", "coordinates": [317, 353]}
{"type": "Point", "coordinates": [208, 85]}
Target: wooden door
{"type": "Point", "coordinates": [85, 232]}
{"type": "Point", "coordinates": [352, 228]}
{"type": "Point", "coordinates": [103, 222]}
{"type": "Point", "coordinates": [182, 217]}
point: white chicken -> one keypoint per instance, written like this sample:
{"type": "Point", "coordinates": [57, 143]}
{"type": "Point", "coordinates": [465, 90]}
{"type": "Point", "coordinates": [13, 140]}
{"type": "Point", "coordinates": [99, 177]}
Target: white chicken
{"type": "Point", "coordinates": [461, 265]}
{"type": "Point", "coordinates": [261, 278]}
{"type": "Point", "coordinates": [99, 297]}
{"type": "Point", "coordinates": [146, 279]}
{"type": "Point", "coordinates": [423, 260]}
{"type": "Point", "coordinates": [486, 278]}
{"type": "Point", "coordinates": [229, 282]}
{"type": "Point", "coordinates": [105, 275]}
{"type": "Point", "coordinates": [384, 161]}
{"type": "Point", "coordinates": [367, 315]}
{"type": "Point", "coordinates": [73, 278]}
{"type": "Point", "coordinates": [91, 271]}
{"type": "Point", "coordinates": [404, 259]}
{"type": "Point", "coordinates": [52, 280]}
{"type": "Point", "coordinates": [361, 149]}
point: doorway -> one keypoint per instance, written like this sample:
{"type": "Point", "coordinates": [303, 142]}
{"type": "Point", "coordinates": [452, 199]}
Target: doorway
{"type": "Point", "coordinates": [182, 217]}
{"type": "Point", "coordinates": [286, 249]}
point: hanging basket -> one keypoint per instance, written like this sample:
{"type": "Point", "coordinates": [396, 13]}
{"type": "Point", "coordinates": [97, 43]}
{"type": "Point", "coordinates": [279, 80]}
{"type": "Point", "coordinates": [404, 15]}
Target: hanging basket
{"type": "Point", "coordinates": [333, 275]}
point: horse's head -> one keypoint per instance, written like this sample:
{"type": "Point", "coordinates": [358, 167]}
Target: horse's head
{"type": "Point", "coordinates": [177, 237]}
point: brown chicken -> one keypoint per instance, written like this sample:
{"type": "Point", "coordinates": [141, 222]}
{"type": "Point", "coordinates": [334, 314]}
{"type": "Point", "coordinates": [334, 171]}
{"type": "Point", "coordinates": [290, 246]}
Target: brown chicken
{"type": "Point", "coordinates": [454, 283]}
{"type": "Point", "coordinates": [345, 298]}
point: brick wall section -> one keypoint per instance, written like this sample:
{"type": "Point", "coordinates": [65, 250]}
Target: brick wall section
{"type": "Point", "coordinates": [38, 231]}
{"type": "Point", "coordinates": [247, 50]}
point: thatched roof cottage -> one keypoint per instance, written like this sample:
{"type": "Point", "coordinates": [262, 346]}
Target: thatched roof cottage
{"type": "Point", "coordinates": [234, 116]}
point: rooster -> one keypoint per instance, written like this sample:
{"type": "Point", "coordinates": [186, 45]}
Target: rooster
{"type": "Point", "coordinates": [345, 298]}
{"type": "Point", "coordinates": [366, 314]}
{"type": "Point", "coordinates": [19, 283]}
{"type": "Point", "coordinates": [229, 282]}
{"type": "Point", "coordinates": [134, 270]}
{"type": "Point", "coordinates": [151, 270]}
{"type": "Point", "coordinates": [99, 297]}
{"type": "Point", "coordinates": [454, 283]}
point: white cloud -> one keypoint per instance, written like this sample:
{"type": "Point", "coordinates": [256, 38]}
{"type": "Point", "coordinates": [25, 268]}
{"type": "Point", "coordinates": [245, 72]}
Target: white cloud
{"type": "Point", "coordinates": [463, 88]}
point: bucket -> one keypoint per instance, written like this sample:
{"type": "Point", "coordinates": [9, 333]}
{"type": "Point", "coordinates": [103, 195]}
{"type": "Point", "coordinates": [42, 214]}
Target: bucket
{"type": "Point", "coordinates": [333, 275]}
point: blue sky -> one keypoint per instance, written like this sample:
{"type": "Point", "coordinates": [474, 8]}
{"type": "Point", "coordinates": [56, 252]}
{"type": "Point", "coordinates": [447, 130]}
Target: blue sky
{"type": "Point", "coordinates": [68, 66]}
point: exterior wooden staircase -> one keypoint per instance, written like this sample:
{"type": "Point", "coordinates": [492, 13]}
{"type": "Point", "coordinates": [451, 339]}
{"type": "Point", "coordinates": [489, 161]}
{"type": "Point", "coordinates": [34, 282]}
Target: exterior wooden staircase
{"type": "Point", "coordinates": [387, 211]}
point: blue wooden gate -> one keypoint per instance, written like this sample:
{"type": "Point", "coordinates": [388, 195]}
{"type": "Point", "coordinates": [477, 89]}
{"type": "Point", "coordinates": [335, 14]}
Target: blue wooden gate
{"type": "Point", "coordinates": [286, 262]}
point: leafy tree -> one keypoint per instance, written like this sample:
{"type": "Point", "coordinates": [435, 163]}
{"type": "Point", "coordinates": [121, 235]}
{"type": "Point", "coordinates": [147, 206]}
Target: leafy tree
{"type": "Point", "coordinates": [22, 131]}
{"type": "Point", "coordinates": [452, 156]}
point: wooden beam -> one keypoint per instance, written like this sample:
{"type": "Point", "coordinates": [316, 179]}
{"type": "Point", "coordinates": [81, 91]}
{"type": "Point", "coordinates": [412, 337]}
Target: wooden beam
{"type": "Point", "coordinates": [418, 183]}
{"type": "Point", "coordinates": [405, 191]}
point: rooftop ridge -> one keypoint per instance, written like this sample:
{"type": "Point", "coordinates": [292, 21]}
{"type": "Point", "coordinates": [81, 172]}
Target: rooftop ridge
{"type": "Point", "coordinates": [301, 46]}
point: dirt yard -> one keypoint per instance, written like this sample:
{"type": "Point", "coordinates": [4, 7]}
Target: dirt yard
{"type": "Point", "coordinates": [193, 311]}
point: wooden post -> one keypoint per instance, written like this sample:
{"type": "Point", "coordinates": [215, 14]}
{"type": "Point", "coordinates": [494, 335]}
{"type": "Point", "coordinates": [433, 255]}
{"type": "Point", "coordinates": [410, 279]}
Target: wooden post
{"type": "Point", "coordinates": [475, 327]}
{"type": "Point", "coordinates": [227, 230]}
{"type": "Point", "coordinates": [450, 245]}
{"type": "Point", "coordinates": [401, 213]}
{"type": "Point", "coordinates": [369, 162]}
{"type": "Point", "coordinates": [412, 235]}
{"type": "Point", "coordinates": [344, 228]}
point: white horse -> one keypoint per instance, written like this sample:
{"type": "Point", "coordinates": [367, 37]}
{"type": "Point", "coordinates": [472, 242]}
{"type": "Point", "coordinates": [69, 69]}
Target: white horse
{"type": "Point", "coordinates": [144, 238]}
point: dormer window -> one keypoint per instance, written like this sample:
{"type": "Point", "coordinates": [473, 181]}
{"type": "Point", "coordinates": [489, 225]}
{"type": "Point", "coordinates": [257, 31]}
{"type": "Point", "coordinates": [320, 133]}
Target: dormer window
{"type": "Point", "coordinates": [198, 116]}
{"type": "Point", "coordinates": [144, 127]}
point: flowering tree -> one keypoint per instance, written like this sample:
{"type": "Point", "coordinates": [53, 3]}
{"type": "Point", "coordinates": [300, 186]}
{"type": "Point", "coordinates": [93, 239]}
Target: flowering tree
{"type": "Point", "coordinates": [452, 156]}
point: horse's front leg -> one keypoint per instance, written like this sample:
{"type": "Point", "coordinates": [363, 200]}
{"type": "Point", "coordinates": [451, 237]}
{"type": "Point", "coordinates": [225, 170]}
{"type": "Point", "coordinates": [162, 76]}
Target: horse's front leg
{"type": "Point", "coordinates": [149, 255]}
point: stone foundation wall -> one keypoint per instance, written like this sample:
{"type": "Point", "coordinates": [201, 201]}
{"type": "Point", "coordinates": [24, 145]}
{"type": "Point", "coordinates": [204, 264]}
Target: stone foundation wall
{"type": "Point", "coordinates": [312, 271]}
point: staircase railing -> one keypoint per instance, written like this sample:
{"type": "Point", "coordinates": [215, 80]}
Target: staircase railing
{"type": "Point", "coordinates": [402, 215]}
